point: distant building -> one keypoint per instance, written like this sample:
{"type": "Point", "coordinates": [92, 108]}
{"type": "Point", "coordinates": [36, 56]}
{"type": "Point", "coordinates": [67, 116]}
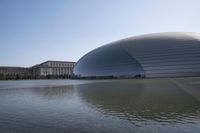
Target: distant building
{"type": "Point", "coordinates": [53, 68]}
{"type": "Point", "coordinates": [13, 72]}
{"type": "Point", "coordinates": [48, 69]}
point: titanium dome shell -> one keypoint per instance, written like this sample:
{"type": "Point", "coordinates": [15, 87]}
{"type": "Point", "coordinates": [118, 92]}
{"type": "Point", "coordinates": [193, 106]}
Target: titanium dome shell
{"type": "Point", "coordinates": [175, 54]}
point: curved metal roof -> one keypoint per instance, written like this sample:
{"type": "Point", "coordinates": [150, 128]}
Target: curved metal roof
{"type": "Point", "coordinates": [152, 55]}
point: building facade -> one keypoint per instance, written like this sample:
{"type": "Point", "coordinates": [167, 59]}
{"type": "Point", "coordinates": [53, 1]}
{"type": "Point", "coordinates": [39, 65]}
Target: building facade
{"type": "Point", "coordinates": [48, 69]}
{"type": "Point", "coordinates": [56, 68]}
{"type": "Point", "coordinates": [152, 55]}
{"type": "Point", "coordinates": [13, 72]}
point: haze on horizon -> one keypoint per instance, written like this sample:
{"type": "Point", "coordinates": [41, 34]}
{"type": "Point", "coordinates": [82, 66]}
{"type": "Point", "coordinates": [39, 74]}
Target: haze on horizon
{"type": "Point", "coordinates": [33, 31]}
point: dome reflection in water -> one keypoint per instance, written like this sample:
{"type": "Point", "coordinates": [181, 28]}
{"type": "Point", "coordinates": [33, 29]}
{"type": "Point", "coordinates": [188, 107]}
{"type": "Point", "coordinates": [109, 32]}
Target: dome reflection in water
{"type": "Point", "coordinates": [143, 100]}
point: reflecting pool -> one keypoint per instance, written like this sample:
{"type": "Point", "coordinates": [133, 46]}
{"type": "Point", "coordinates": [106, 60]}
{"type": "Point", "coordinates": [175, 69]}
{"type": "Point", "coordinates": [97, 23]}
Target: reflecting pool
{"type": "Point", "coordinates": [100, 106]}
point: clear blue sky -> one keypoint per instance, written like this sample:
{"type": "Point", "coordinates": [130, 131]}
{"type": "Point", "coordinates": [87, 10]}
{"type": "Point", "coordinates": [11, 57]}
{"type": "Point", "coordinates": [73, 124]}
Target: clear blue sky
{"type": "Point", "coordinates": [33, 31]}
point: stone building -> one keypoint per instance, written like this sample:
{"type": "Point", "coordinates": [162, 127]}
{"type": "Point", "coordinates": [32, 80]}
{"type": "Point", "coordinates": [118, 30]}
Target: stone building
{"type": "Point", "coordinates": [53, 68]}
{"type": "Point", "coordinates": [48, 69]}
{"type": "Point", "coordinates": [13, 72]}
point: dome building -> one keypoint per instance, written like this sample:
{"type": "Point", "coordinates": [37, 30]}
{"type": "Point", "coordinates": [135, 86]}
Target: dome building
{"type": "Point", "coordinates": [174, 54]}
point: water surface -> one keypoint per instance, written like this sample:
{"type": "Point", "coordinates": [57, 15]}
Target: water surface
{"type": "Point", "coordinates": [100, 106]}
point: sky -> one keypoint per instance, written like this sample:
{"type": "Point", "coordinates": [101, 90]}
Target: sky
{"type": "Point", "coordinates": [34, 31]}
